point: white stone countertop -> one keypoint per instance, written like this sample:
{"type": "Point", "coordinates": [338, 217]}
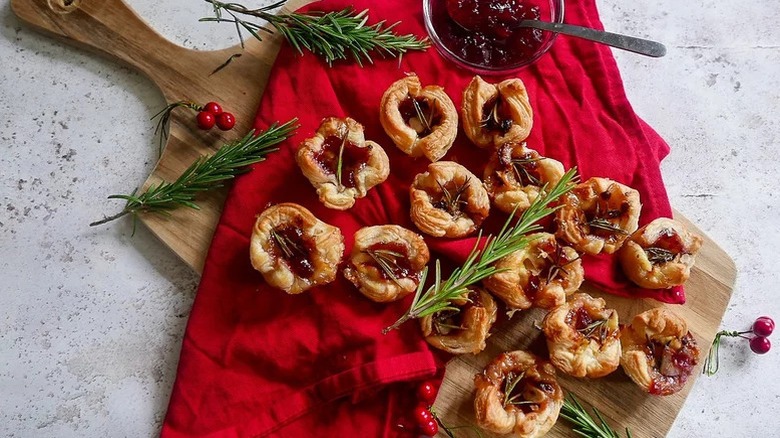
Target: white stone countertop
{"type": "Point", "coordinates": [91, 320]}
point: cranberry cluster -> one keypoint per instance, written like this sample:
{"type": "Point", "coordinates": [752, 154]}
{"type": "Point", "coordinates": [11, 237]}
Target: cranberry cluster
{"type": "Point", "coordinates": [211, 114]}
{"type": "Point", "coordinates": [762, 328]}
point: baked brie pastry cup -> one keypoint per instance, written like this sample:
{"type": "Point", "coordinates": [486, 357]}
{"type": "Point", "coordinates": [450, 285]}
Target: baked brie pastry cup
{"type": "Point", "coordinates": [387, 262]}
{"type": "Point", "coordinates": [341, 164]}
{"type": "Point", "coordinates": [465, 330]}
{"type": "Point", "coordinates": [583, 337]}
{"type": "Point", "coordinates": [659, 353]}
{"type": "Point", "coordinates": [518, 396]}
{"type": "Point", "coordinates": [496, 113]}
{"type": "Point", "coordinates": [293, 249]}
{"type": "Point", "coordinates": [515, 175]}
{"type": "Point", "coordinates": [448, 200]}
{"type": "Point", "coordinates": [660, 255]}
{"type": "Point", "coordinates": [541, 275]}
{"type": "Point", "coordinates": [420, 120]}
{"type": "Point", "coordinates": [598, 215]}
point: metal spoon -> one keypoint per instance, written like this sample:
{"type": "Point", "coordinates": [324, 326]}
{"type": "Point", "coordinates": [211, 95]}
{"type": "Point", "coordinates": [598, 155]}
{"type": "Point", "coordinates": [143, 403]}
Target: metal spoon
{"type": "Point", "coordinates": [625, 42]}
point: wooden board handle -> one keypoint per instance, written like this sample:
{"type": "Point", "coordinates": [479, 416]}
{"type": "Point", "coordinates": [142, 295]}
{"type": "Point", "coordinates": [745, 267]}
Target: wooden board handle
{"type": "Point", "coordinates": [109, 26]}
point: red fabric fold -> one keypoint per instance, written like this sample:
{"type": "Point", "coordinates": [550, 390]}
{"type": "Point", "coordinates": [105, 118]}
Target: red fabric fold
{"type": "Point", "coordinates": [258, 362]}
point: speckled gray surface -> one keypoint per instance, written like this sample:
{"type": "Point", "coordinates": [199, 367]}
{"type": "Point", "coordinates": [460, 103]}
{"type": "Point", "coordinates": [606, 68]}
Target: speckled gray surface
{"type": "Point", "coordinates": [91, 320]}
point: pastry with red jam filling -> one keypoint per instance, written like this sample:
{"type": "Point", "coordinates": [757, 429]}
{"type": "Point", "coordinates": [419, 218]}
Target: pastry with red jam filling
{"type": "Point", "coordinates": [496, 113]}
{"type": "Point", "coordinates": [659, 353]}
{"type": "Point", "coordinates": [541, 275]}
{"type": "Point", "coordinates": [448, 200]}
{"type": "Point", "coordinates": [515, 175]}
{"type": "Point", "coordinates": [420, 120]}
{"type": "Point", "coordinates": [387, 262]}
{"type": "Point", "coordinates": [293, 249]}
{"type": "Point", "coordinates": [598, 215]}
{"type": "Point", "coordinates": [341, 164]}
{"type": "Point", "coordinates": [583, 337]}
{"type": "Point", "coordinates": [518, 395]}
{"type": "Point", "coordinates": [660, 255]}
{"type": "Point", "coordinates": [463, 330]}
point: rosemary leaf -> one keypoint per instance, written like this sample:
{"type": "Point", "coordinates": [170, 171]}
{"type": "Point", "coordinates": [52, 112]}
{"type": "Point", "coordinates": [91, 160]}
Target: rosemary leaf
{"type": "Point", "coordinates": [204, 174]}
{"type": "Point", "coordinates": [583, 423]}
{"type": "Point", "coordinates": [659, 255]}
{"type": "Point", "coordinates": [334, 36]}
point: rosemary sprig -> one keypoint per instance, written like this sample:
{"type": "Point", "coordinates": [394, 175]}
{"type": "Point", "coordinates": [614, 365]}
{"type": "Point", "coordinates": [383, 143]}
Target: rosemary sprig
{"type": "Point", "coordinates": [492, 118]}
{"type": "Point", "coordinates": [558, 267]}
{"type": "Point", "coordinates": [480, 263]}
{"type": "Point", "coordinates": [605, 224]}
{"type": "Point", "coordinates": [427, 121]}
{"type": "Point", "coordinates": [288, 247]}
{"type": "Point", "coordinates": [340, 162]}
{"type": "Point", "coordinates": [331, 35]}
{"type": "Point", "coordinates": [598, 326]}
{"type": "Point", "coordinates": [204, 174]}
{"type": "Point", "coordinates": [583, 424]}
{"type": "Point", "coordinates": [510, 383]}
{"type": "Point", "coordinates": [388, 261]}
{"type": "Point", "coordinates": [518, 166]}
{"type": "Point", "coordinates": [659, 255]}
{"type": "Point", "coordinates": [452, 201]}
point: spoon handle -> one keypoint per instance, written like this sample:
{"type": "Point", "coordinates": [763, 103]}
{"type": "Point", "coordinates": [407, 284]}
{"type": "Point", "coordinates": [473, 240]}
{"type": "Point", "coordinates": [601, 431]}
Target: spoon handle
{"type": "Point", "coordinates": [632, 44]}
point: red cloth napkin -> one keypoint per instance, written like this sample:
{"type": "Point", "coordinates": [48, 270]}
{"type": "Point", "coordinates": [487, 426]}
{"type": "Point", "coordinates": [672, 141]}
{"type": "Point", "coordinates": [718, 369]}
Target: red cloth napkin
{"type": "Point", "coordinates": [258, 362]}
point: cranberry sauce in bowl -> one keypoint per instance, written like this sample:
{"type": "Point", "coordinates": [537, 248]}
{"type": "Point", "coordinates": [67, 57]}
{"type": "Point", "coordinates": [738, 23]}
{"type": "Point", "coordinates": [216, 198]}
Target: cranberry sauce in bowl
{"type": "Point", "coordinates": [481, 35]}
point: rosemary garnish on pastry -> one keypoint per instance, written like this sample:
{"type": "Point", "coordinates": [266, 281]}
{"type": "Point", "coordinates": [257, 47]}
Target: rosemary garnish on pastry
{"type": "Point", "coordinates": [659, 255]}
{"type": "Point", "coordinates": [288, 247]}
{"type": "Point", "coordinates": [204, 174]}
{"type": "Point", "coordinates": [596, 327]}
{"type": "Point", "coordinates": [480, 262]}
{"type": "Point", "coordinates": [557, 267]}
{"type": "Point", "coordinates": [451, 201]}
{"type": "Point", "coordinates": [426, 121]}
{"type": "Point", "coordinates": [331, 35]}
{"type": "Point", "coordinates": [387, 260]}
{"type": "Point", "coordinates": [606, 225]}
{"type": "Point", "coordinates": [492, 118]}
{"type": "Point", "coordinates": [510, 383]}
{"type": "Point", "coordinates": [518, 166]}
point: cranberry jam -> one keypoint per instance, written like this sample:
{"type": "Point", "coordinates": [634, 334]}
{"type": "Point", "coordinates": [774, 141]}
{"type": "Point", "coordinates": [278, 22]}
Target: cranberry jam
{"type": "Point", "coordinates": [485, 33]}
{"type": "Point", "coordinates": [296, 248]}
{"type": "Point", "coordinates": [401, 267]}
{"type": "Point", "coordinates": [353, 158]}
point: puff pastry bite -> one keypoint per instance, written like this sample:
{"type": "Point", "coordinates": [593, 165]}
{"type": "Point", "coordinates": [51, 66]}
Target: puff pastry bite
{"type": "Point", "coordinates": [659, 353]}
{"type": "Point", "coordinates": [293, 249]}
{"type": "Point", "coordinates": [598, 215]}
{"type": "Point", "coordinates": [465, 330]}
{"type": "Point", "coordinates": [496, 113]}
{"type": "Point", "coordinates": [363, 163]}
{"type": "Point", "coordinates": [542, 274]}
{"type": "Point", "coordinates": [583, 337]}
{"type": "Point", "coordinates": [386, 262]}
{"type": "Point", "coordinates": [448, 200]}
{"type": "Point", "coordinates": [517, 395]}
{"type": "Point", "coordinates": [515, 175]}
{"type": "Point", "coordinates": [660, 254]}
{"type": "Point", "coordinates": [421, 121]}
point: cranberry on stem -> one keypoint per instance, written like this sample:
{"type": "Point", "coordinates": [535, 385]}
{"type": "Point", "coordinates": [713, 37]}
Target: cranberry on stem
{"type": "Point", "coordinates": [226, 121]}
{"type": "Point", "coordinates": [760, 345]}
{"type": "Point", "coordinates": [764, 326]}
{"type": "Point", "coordinates": [422, 415]}
{"type": "Point", "coordinates": [205, 120]}
{"type": "Point", "coordinates": [430, 428]}
{"type": "Point", "coordinates": [213, 108]}
{"type": "Point", "coordinates": [427, 392]}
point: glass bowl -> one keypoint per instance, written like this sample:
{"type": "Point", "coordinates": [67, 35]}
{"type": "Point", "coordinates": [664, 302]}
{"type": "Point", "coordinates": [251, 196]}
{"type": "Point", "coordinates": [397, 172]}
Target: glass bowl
{"type": "Point", "coordinates": [445, 33]}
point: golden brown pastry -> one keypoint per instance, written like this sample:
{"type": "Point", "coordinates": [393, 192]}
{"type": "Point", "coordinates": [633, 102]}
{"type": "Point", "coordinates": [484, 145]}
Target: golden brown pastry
{"type": "Point", "coordinates": [583, 337]}
{"type": "Point", "coordinates": [341, 164]}
{"type": "Point", "coordinates": [660, 254]}
{"type": "Point", "coordinates": [515, 175]}
{"type": "Point", "coordinates": [659, 353]}
{"type": "Point", "coordinates": [496, 113]}
{"type": "Point", "coordinates": [518, 396]}
{"type": "Point", "coordinates": [294, 250]}
{"type": "Point", "coordinates": [542, 274]}
{"type": "Point", "coordinates": [387, 262]}
{"type": "Point", "coordinates": [465, 330]}
{"type": "Point", "coordinates": [448, 200]}
{"type": "Point", "coordinates": [598, 215]}
{"type": "Point", "coordinates": [421, 121]}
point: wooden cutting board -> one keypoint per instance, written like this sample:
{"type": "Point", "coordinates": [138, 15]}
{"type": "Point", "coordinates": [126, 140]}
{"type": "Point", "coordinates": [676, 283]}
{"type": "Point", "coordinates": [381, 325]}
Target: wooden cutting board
{"type": "Point", "coordinates": [112, 28]}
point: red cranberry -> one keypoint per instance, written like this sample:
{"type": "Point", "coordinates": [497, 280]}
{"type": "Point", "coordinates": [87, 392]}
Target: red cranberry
{"type": "Point", "coordinates": [764, 326]}
{"type": "Point", "coordinates": [226, 121]}
{"type": "Point", "coordinates": [430, 428]}
{"type": "Point", "coordinates": [760, 345]}
{"type": "Point", "coordinates": [422, 415]}
{"type": "Point", "coordinates": [213, 108]}
{"type": "Point", "coordinates": [427, 392]}
{"type": "Point", "coordinates": [205, 120]}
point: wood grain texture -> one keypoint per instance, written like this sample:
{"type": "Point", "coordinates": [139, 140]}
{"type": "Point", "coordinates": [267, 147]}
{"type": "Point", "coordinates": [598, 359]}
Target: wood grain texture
{"type": "Point", "coordinates": [112, 28]}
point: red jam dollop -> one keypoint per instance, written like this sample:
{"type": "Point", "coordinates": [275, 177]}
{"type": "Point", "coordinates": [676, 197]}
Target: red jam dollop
{"type": "Point", "coordinates": [401, 267]}
{"type": "Point", "coordinates": [296, 248]}
{"type": "Point", "coordinates": [353, 158]}
{"type": "Point", "coordinates": [483, 32]}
